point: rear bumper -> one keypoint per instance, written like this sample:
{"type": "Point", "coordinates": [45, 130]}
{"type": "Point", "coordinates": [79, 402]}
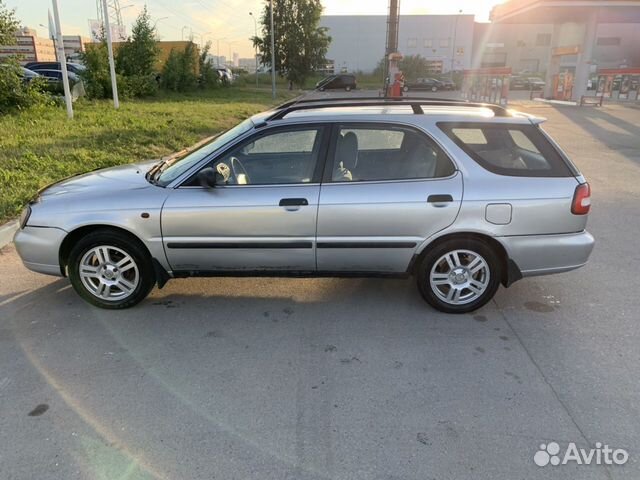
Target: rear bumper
{"type": "Point", "coordinates": [546, 254]}
{"type": "Point", "coordinates": [39, 248]}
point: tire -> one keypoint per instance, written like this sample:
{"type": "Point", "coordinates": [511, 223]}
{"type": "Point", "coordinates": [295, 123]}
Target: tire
{"type": "Point", "coordinates": [405, 89]}
{"type": "Point", "coordinates": [347, 88]}
{"type": "Point", "coordinates": [434, 89]}
{"type": "Point", "coordinates": [117, 271]}
{"type": "Point", "coordinates": [440, 284]}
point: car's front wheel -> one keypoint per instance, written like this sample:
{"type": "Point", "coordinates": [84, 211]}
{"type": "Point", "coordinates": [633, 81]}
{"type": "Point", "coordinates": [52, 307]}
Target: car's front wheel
{"type": "Point", "coordinates": [459, 275]}
{"type": "Point", "coordinates": [434, 89]}
{"type": "Point", "coordinates": [110, 270]}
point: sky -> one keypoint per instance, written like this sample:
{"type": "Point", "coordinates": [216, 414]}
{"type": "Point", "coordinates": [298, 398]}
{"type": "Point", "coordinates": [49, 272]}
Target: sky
{"type": "Point", "coordinates": [226, 23]}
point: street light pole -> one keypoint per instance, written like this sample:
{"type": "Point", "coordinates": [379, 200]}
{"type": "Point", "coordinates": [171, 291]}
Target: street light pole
{"type": "Point", "coordinates": [273, 53]}
{"type": "Point", "coordinates": [182, 32]}
{"type": "Point", "coordinates": [63, 60]}
{"type": "Point", "coordinates": [112, 64]}
{"type": "Point", "coordinates": [453, 52]}
{"type": "Point", "coordinates": [255, 28]}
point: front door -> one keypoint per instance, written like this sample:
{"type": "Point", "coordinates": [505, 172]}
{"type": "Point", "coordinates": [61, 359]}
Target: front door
{"type": "Point", "coordinates": [389, 188]}
{"type": "Point", "coordinates": [262, 219]}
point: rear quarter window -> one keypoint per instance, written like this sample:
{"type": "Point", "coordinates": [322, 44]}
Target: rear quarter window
{"type": "Point", "coordinates": [508, 149]}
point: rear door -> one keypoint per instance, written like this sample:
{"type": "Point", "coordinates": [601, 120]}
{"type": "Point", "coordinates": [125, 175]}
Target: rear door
{"type": "Point", "coordinates": [386, 188]}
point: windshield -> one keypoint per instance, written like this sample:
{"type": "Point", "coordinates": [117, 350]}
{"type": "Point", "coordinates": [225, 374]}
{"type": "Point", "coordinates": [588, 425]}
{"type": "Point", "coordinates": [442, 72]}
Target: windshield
{"type": "Point", "coordinates": [173, 168]}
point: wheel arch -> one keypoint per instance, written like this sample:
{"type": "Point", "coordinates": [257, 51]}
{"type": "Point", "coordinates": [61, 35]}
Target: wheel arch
{"type": "Point", "coordinates": [74, 235]}
{"type": "Point", "coordinates": [509, 270]}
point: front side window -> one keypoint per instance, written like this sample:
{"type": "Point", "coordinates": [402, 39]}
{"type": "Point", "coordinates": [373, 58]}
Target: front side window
{"type": "Point", "coordinates": [179, 165]}
{"type": "Point", "coordinates": [515, 150]}
{"type": "Point", "coordinates": [370, 153]}
{"type": "Point", "coordinates": [278, 157]}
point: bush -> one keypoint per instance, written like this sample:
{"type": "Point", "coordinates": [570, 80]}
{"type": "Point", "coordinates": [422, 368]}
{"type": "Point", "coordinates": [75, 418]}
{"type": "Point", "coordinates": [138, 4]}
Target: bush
{"type": "Point", "coordinates": [179, 72]}
{"type": "Point", "coordinates": [96, 76]}
{"type": "Point", "coordinates": [138, 86]}
{"type": "Point", "coordinates": [15, 94]}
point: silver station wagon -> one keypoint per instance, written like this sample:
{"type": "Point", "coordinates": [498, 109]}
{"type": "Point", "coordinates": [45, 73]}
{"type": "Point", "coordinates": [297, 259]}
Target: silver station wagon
{"type": "Point", "coordinates": [462, 196]}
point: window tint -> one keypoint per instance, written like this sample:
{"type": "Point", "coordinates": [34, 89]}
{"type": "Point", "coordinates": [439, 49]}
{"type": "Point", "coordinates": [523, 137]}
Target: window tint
{"type": "Point", "coordinates": [278, 157]}
{"type": "Point", "coordinates": [367, 153]}
{"type": "Point", "coordinates": [517, 150]}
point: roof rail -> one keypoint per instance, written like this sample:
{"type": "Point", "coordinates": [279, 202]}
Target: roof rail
{"type": "Point", "coordinates": [416, 104]}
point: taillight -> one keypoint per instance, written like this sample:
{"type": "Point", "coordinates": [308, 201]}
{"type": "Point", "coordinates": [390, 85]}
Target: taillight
{"type": "Point", "coordinates": [581, 200]}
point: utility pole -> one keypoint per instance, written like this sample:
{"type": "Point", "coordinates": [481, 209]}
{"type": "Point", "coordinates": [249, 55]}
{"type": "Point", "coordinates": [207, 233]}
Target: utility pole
{"type": "Point", "coordinates": [453, 52]}
{"type": "Point", "coordinates": [112, 64]}
{"type": "Point", "coordinates": [255, 28]}
{"type": "Point", "coordinates": [273, 54]}
{"type": "Point", "coordinates": [63, 60]}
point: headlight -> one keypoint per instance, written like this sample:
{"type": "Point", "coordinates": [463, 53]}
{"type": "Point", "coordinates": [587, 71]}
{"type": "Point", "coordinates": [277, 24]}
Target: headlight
{"type": "Point", "coordinates": [24, 216]}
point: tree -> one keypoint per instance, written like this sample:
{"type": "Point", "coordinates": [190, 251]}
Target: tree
{"type": "Point", "coordinates": [414, 66]}
{"type": "Point", "coordinates": [8, 25]}
{"type": "Point", "coordinates": [209, 77]}
{"type": "Point", "coordinates": [139, 54]}
{"type": "Point", "coordinates": [300, 43]}
{"type": "Point", "coordinates": [179, 71]}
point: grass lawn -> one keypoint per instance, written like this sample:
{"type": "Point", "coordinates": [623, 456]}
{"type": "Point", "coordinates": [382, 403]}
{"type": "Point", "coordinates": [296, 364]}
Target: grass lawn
{"type": "Point", "coordinates": [40, 146]}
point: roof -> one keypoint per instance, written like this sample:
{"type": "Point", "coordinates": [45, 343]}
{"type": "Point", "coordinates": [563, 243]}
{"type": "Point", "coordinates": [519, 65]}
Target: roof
{"type": "Point", "coordinates": [373, 107]}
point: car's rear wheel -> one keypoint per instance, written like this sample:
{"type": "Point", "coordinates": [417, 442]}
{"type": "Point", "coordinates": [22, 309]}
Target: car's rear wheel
{"type": "Point", "coordinates": [459, 275]}
{"type": "Point", "coordinates": [434, 89]}
{"type": "Point", "coordinates": [110, 270]}
{"type": "Point", "coordinates": [348, 88]}
{"type": "Point", "coordinates": [405, 88]}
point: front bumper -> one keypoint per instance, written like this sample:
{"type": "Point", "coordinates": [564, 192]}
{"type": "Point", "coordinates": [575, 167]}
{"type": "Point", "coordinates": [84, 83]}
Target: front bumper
{"type": "Point", "coordinates": [39, 248]}
{"type": "Point", "coordinates": [545, 254]}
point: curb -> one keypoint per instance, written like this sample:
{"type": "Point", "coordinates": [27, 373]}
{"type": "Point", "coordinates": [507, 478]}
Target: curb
{"type": "Point", "coordinates": [6, 233]}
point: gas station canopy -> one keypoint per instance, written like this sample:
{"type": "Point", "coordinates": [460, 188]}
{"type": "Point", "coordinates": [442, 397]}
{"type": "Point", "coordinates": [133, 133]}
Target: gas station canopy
{"type": "Point", "coordinates": [563, 11]}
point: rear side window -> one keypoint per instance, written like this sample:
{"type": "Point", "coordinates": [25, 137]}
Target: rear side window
{"type": "Point", "coordinates": [514, 150]}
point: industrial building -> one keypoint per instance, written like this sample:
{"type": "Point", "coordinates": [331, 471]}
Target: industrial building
{"type": "Point", "coordinates": [358, 41]}
{"type": "Point", "coordinates": [566, 41]}
{"type": "Point", "coordinates": [29, 47]}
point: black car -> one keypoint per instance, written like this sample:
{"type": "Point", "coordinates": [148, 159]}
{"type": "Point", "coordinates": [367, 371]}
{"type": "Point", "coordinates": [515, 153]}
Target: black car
{"type": "Point", "coordinates": [447, 84]}
{"type": "Point", "coordinates": [526, 83]}
{"type": "Point", "coordinates": [430, 84]}
{"type": "Point", "coordinates": [71, 67]}
{"type": "Point", "coordinates": [54, 79]}
{"type": "Point", "coordinates": [337, 82]}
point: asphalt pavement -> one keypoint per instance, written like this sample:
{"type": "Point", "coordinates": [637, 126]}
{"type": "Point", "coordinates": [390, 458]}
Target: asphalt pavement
{"type": "Point", "coordinates": [338, 378]}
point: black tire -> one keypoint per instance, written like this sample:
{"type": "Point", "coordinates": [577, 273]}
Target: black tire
{"type": "Point", "coordinates": [405, 88]}
{"type": "Point", "coordinates": [347, 88]}
{"type": "Point", "coordinates": [125, 243]}
{"type": "Point", "coordinates": [434, 89]}
{"type": "Point", "coordinates": [433, 255]}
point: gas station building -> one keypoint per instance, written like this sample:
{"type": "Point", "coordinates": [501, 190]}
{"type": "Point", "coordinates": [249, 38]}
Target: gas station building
{"type": "Point", "coordinates": [576, 48]}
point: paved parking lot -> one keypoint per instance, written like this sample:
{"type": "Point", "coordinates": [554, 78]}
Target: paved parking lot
{"type": "Point", "coordinates": [334, 378]}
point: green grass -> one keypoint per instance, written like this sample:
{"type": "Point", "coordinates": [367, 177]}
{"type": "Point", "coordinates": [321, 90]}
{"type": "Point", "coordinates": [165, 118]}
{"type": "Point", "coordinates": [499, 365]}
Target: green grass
{"type": "Point", "coordinates": [40, 146]}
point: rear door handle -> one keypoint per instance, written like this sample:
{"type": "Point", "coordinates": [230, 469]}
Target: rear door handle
{"type": "Point", "coordinates": [440, 199]}
{"type": "Point", "coordinates": [293, 202]}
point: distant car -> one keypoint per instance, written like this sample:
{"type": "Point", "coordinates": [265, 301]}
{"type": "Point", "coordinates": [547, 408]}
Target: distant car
{"type": "Point", "coordinates": [526, 83]}
{"type": "Point", "coordinates": [337, 82]}
{"type": "Point", "coordinates": [447, 84]}
{"type": "Point", "coordinates": [430, 84]}
{"type": "Point", "coordinates": [76, 68]}
{"type": "Point", "coordinates": [226, 76]}
{"type": "Point", "coordinates": [26, 74]}
{"type": "Point", "coordinates": [54, 79]}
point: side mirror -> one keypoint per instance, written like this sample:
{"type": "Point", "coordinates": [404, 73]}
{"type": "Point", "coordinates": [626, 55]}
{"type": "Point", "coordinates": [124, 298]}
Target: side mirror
{"type": "Point", "coordinates": [207, 177]}
{"type": "Point", "coordinates": [210, 177]}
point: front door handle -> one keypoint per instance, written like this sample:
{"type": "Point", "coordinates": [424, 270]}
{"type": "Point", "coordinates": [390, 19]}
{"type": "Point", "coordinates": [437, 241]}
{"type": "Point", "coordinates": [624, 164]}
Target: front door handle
{"type": "Point", "coordinates": [293, 202]}
{"type": "Point", "coordinates": [440, 199]}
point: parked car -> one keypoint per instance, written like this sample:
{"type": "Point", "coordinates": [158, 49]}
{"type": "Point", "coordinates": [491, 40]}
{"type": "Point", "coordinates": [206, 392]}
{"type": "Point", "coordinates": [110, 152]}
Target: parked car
{"type": "Point", "coordinates": [226, 76]}
{"type": "Point", "coordinates": [76, 68]}
{"type": "Point", "coordinates": [343, 81]}
{"type": "Point", "coordinates": [430, 84]}
{"type": "Point", "coordinates": [447, 84]}
{"type": "Point", "coordinates": [526, 83]}
{"type": "Point", "coordinates": [24, 73]}
{"type": "Point", "coordinates": [54, 79]}
{"type": "Point", "coordinates": [463, 196]}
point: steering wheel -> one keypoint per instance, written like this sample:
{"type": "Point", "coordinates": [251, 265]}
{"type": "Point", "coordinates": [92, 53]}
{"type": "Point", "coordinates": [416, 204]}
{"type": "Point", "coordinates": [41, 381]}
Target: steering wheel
{"type": "Point", "coordinates": [238, 169]}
